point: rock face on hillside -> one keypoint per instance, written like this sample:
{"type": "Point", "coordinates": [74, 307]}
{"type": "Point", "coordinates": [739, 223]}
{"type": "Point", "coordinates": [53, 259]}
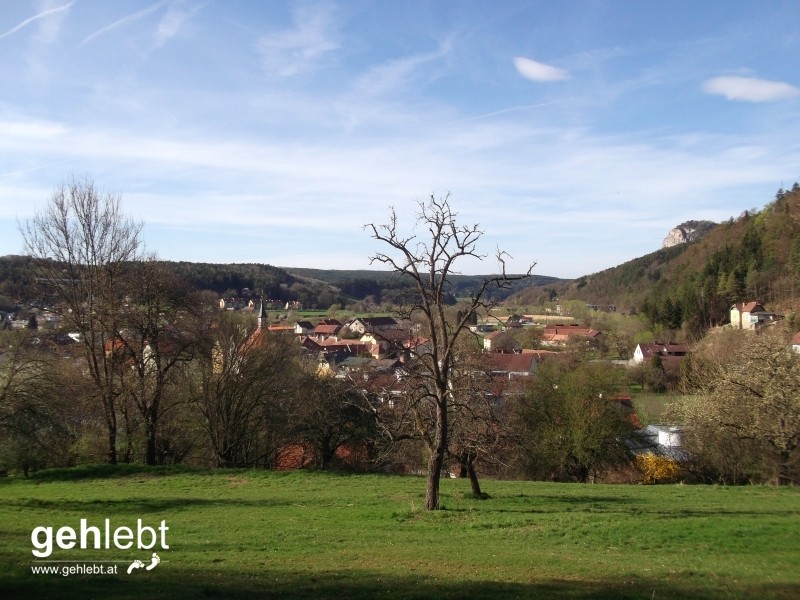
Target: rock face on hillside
{"type": "Point", "coordinates": [689, 231]}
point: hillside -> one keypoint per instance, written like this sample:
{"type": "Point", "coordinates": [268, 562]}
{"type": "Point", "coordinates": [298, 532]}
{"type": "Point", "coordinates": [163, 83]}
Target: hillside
{"type": "Point", "coordinates": [754, 256]}
{"type": "Point", "coordinates": [222, 279]}
{"type": "Point", "coordinates": [312, 287]}
{"type": "Point", "coordinates": [235, 533]}
{"type": "Point", "coordinates": [362, 283]}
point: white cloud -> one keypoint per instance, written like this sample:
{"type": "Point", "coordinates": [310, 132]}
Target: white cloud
{"type": "Point", "coordinates": [390, 76]}
{"type": "Point", "coordinates": [750, 89]}
{"type": "Point", "coordinates": [536, 71]}
{"type": "Point", "coordinates": [48, 29]}
{"type": "Point", "coordinates": [172, 23]}
{"type": "Point", "coordinates": [31, 129]}
{"type": "Point", "coordinates": [299, 49]}
{"type": "Point", "coordinates": [119, 22]}
{"type": "Point", "coordinates": [43, 14]}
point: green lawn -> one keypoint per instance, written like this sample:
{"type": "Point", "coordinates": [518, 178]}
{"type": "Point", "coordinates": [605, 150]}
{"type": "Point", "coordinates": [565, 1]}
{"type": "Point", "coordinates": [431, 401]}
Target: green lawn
{"type": "Point", "coordinates": [653, 408]}
{"type": "Point", "coordinates": [311, 535]}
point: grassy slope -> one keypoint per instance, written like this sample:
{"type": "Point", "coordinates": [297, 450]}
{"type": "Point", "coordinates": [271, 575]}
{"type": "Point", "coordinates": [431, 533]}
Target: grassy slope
{"type": "Point", "coordinates": [310, 535]}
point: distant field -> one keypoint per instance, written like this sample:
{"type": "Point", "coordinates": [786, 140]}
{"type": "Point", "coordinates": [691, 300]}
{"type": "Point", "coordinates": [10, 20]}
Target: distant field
{"type": "Point", "coordinates": [653, 408]}
{"type": "Point", "coordinates": [317, 535]}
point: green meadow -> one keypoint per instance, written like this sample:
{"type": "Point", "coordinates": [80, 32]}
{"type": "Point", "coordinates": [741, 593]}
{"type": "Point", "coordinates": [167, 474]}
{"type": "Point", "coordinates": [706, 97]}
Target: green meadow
{"type": "Point", "coordinates": [250, 533]}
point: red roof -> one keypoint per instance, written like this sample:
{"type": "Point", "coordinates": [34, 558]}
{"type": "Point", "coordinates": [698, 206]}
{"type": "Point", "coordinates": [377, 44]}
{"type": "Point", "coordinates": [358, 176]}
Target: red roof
{"type": "Point", "coordinates": [749, 307]}
{"type": "Point", "coordinates": [494, 334]}
{"type": "Point", "coordinates": [510, 363]}
{"type": "Point", "coordinates": [323, 329]}
{"type": "Point", "coordinates": [560, 333]}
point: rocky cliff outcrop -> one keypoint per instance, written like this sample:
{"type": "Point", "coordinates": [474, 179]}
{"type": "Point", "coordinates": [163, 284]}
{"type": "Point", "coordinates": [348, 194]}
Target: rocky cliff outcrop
{"type": "Point", "coordinates": [689, 231]}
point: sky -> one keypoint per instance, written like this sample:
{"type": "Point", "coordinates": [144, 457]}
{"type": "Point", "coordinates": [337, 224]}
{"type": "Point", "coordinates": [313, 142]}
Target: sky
{"type": "Point", "coordinates": [575, 133]}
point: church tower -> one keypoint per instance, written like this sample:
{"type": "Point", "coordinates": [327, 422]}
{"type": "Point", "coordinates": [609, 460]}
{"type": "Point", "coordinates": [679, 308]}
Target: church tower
{"type": "Point", "coordinates": [263, 318]}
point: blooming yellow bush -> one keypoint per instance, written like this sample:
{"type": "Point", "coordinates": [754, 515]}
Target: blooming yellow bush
{"type": "Point", "coordinates": [656, 468]}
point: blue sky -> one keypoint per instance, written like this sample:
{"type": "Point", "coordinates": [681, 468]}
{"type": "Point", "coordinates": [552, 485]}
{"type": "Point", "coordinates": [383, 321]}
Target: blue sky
{"type": "Point", "coordinates": [576, 133]}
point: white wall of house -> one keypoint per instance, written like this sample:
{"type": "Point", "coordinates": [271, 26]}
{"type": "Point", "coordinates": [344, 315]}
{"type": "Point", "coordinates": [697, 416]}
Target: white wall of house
{"type": "Point", "coordinates": [638, 355]}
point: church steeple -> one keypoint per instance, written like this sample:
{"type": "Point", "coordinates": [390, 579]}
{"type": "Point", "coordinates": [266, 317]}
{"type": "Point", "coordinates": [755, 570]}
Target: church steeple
{"type": "Point", "coordinates": [263, 318]}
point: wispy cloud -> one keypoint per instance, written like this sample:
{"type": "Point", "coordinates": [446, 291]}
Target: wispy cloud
{"type": "Point", "coordinates": [398, 73]}
{"type": "Point", "coordinates": [536, 71]}
{"type": "Point", "coordinates": [49, 29]}
{"type": "Point", "coordinates": [299, 49]}
{"type": "Point", "coordinates": [529, 175]}
{"type": "Point", "coordinates": [31, 129]}
{"type": "Point", "coordinates": [43, 14]}
{"type": "Point", "coordinates": [200, 147]}
{"type": "Point", "coordinates": [123, 21]}
{"type": "Point", "coordinates": [750, 89]}
{"type": "Point", "coordinates": [172, 22]}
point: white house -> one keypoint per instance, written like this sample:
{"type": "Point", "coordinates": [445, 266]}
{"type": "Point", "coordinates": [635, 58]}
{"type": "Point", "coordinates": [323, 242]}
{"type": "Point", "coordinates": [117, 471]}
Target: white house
{"type": "Point", "coordinates": [750, 315]}
{"type": "Point", "coordinates": [362, 325]}
{"type": "Point", "coordinates": [499, 341]}
{"type": "Point", "coordinates": [645, 352]}
{"type": "Point", "coordinates": [664, 440]}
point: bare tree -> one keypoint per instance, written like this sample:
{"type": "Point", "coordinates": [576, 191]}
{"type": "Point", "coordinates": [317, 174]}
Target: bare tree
{"type": "Point", "coordinates": [240, 385]}
{"type": "Point", "coordinates": [328, 415]}
{"type": "Point", "coordinates": [427, 262]}
{"type": "Point", "coordinates": [480, 433]}
{"type": "Point", "coordinates": [82, 244]}
{"type": "Point", "coordinates": [32, 408]}
{"type": "Point", "coordinates": [156, 339]}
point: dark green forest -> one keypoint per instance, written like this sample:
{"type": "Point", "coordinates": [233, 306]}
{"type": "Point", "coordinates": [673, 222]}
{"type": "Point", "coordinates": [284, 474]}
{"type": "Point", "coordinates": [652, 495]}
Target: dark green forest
{"type": "Point", "coordinates": [753, 257]}
{"type": "Point", "coordinates": [314, 288]}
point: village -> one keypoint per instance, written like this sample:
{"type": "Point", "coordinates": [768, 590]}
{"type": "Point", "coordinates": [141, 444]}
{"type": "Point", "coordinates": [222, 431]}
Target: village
{"type": "Point", "coordinates": [375, 355]}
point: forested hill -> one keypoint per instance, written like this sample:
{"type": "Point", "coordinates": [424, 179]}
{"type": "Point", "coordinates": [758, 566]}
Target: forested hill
{"type": "Point", "coordinates": [311, 287]}
{"type": "Point", "coordinates": [223, 279]}
{"type": "Point", "coordinates": [753, 257]}
{"type": "Point", "coordinates": [382, 284]}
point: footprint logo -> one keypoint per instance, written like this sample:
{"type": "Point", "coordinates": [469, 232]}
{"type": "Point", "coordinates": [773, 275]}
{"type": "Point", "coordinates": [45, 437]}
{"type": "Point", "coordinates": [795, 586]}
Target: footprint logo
{"type": "Point", "coordinates": [137, 564]}
{"type": "Point", "coordinates": [153, 562]}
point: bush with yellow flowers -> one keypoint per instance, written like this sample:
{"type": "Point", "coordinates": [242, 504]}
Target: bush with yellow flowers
{"type": "Point", "coordinates": [656, 468]}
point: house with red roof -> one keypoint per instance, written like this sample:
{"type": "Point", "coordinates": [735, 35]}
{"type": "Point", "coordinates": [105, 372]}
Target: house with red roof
{"type": "Point", "coordinates": [324, 331]}
{"type": "Point", "coordinates": [500, 341]}
{"type": "Point", "coordinates": [559, 335]}
{"type": "Point", "coordinates": [362, 325]}
{"type": "Point", "coordinates": [750, 315]}
{"type": "Point", "coordinates": [509, 365]}
{"type": "Point", "coordinates": [645, 352]}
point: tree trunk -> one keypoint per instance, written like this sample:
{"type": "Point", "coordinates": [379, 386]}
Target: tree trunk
{"type": "Point", "coordinates": [435, 464]}
{"type": "Point", "coordinates": [466, 461]}
{"type": "Point", "coordinates": [112, 447]}
{"type": "Point", "coordinates": [473, 478]}
{"type": "Point", "coordinates": [784, 469]}
{"type": "Point", "coordinates": [436, 460]}
{"type": "Point", "coordinates": [112, 439]}
{"type": "Point", "coordinates": [127, 456]}
{"type": "Point", "coordinates": [151, 456]}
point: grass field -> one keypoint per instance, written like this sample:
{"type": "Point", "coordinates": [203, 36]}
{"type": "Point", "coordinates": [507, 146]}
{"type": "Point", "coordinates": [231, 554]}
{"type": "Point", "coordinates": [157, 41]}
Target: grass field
{"type": "Point", "coordinates": [311, 535]}
{"type": "Point", "coordinates": [653, 408]}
